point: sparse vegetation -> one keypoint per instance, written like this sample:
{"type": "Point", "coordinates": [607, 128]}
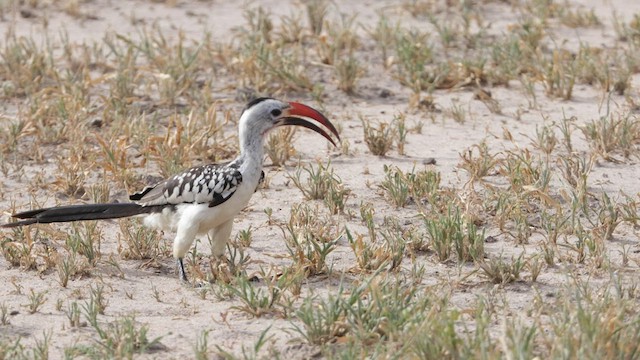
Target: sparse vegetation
{"type": "Point", "coordinates": [484, 204]}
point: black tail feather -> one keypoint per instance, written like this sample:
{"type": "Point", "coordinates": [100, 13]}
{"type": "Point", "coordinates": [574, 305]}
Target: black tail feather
{"type": "Point", "coordinates": [80, 213]}
{"type": "Point", "coordinates": [18, 223]}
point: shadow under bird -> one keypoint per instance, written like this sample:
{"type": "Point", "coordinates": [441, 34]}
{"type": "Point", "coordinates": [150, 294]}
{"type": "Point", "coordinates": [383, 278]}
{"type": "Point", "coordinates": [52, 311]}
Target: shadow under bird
{"type": "Point", "coordinates": [205, 199]}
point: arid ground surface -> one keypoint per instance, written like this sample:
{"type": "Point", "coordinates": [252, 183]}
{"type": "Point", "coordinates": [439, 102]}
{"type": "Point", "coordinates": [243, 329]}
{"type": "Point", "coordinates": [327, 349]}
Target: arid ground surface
{"type": "Point", "coordinates": [483, 202]}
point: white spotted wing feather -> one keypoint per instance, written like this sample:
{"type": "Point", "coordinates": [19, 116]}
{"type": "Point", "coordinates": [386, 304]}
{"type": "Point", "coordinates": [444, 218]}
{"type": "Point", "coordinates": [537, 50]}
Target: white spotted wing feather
{"type": "Point", "coordinates": [207, 184]}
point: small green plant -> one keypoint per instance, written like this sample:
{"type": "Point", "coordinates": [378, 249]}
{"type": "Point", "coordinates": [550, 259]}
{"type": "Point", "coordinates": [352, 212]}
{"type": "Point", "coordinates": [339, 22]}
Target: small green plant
{"type": "Point", "coordinates": [309, 254]}
{"type": "Point", "coordinates": [580, 18]}
{"type": "Point", "coordinates": [383, 35]}
{"type": "Point", "coordinates": [316, 12]}
{"type": "Point", "coordinates": [256, 301]}
{"type": "Point", "coordinates": [323, 320]}
{"type": "Point", "coordinates": [71, 176]}
{"type": "Point", "coordinates": [85, 239]}
{"type": "Point", "coordinates": [609, 217]}
{"type": "Point", "coordinates": [501, 271]}
{"type": "Point", "coordinates": [36, 299]}
{"type": "Point", "coordinates": [67, 267]}
{"type": "Point", "coordinates": [401, 132]}
{"type": "Point", "coordinates": [226, 270]}
{"type": "Point", "coordinates": [610, 134]}
{"type": "Point", "coordinates": [451, 232]}
{"type": "Point", "coordinates": [341, 41]}
{"type": "Point", "coordinates": [322, 183]}
{"type": "Point", "coordinates": [4, 314]}
{"type": "Point", "coordinates": [309, 239]}
{"type": "Point", "coordinates": [41, 347]}
{"type": "Point", "coordinates": [403, 188]}
{"type": "Point", "coordinates": [560, 76]}
{"type": "Point", "coordinates": [114, 157]}
{"type": "Point", "coordinates": [245, 236]}
{"type": "Point", "coordinates": [279, 146]}
{"type": "Point", "coordinates": [292, 29]}
{"type": "Point", "coordinates": [534, 265]}
{"type": "Point", "coordinates": [96, 295]}
{"type": "Point", "coordinates": [395, 242]}
{"type": "Point", "coordinates": [414, 54]}
{"type": "Point", "coordinates": [395, 186]}
{"type": "Point", "coordinates": [379, 139]}
{"type": "Point", "coordinates": [141, 243]}
{"type": "Point", "coordinates": [519, 338]}
{"type": "Point", "coordinates": [336, 200]}
{"type": "Point", "coordinates": [248, 353]}
{"type": "Point", "coordinates": [594, 308]}
{"type": "Point", "coordinates": [566, 127]}
{"type": "Point", "coordinates": [59, 304]}
{"type": "Point", "coordinates": [269, 212]}
{"type": "Point", "coordinates": [480, 165]}
{"type": "Point", "coordinates": [546, 139]}
{"type": "Point", "coordinates": [373, 256]}
{"type": "Point", "coordinates": [382, 307]}
{"type": "Point", "coordinates": [348, 71]}
{"type": "Point", "coordinates": [553, 225]}
{"type": "Point", "coordinates": [458, 112]}
{"type": "Point", "coordinates": [201, 348]}
{"type": "Point", "coordinates": [368, 257]}
{"type": "Point", "coordinates": [524, 170]}
{"type": "Point", "coordinates": [389, 308]}
{"type": "Point", "coordinates": [18, 248]}
{"type": "Point", "coordinates": [156, 293]}
{"type": "Point", "coordinates": [91, 310]}
{"type": "Point", "coordinates": [99, 193]}
{"type": "Point", "coordinates": [447, 31]}
{"type": "Point", "coordinates": [121, 338]}
{"type": "Point", "coordinates": [574, 170]}
{"type": "Point", "coordinates": [73, 314]}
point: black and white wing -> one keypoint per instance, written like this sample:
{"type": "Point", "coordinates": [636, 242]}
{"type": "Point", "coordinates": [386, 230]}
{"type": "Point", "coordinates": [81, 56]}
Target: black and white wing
{"type": "Point", "coordinates": [213, 184]}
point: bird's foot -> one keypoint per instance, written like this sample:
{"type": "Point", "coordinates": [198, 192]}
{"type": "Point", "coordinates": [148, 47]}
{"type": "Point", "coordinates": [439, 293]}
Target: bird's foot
{"type": "Point", "coordinates": [182, 273]}
{"type": "Point", "coordinates": [183, 276]}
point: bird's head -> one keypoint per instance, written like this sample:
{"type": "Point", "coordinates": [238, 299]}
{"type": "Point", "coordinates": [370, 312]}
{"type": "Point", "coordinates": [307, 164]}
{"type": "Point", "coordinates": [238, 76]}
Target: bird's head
{"type": "Point", "coordinates": [264, 114]}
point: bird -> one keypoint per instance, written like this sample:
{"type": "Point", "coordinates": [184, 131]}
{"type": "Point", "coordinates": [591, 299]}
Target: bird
{"type": "Point", "coordinates": [205, 199]}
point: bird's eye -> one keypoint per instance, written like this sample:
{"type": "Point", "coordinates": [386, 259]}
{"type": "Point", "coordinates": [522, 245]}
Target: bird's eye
{"type": "Point", "coordinates": [276, 112]}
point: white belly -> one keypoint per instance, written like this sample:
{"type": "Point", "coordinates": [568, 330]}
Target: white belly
{"type": "Point", "coordinates": [201, 215]}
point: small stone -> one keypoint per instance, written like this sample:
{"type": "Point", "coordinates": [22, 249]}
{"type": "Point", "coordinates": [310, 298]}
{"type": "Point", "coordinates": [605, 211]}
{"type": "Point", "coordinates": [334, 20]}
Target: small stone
{"type": "Point", "coordinates": [429, 161]}
{"type": "Point", "coordinates": [490, 239]}
{"type": "Point", "coordinates": [385, 93]}
{"type": "Point", "coordinates": [27, 14]}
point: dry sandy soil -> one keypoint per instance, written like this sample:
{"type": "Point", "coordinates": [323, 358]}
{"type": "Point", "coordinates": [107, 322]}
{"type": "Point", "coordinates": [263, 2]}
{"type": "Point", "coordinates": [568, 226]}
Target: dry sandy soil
{"type": "Point", "coordinates": [179, 315]}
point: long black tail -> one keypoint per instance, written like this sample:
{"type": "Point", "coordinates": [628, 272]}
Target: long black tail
{"type": "Point", "coordinates": [80, 212]}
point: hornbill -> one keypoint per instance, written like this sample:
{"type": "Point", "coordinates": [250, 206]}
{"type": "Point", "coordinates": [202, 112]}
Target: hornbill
{"type": "Point", "coordinates": [204, 199]}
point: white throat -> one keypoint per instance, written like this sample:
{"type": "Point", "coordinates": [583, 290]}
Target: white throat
{"type": "Point", "coordinates": [251, 149]}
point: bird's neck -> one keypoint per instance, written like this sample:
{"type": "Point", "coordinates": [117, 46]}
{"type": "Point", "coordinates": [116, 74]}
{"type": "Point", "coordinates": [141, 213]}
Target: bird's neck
{"type": "Point", "coordinates": [251, 152]}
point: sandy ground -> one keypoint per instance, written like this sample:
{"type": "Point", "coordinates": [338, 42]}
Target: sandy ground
{"type": "Point", "coordinates": [179, 314]}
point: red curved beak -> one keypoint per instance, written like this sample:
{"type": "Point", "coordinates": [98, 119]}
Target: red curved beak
{"type": "Point", "coordinates": [295, 114]}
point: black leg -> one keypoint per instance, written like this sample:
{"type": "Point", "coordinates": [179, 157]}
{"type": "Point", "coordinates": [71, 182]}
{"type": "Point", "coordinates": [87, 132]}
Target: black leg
{"type": "Point", "coordinates": [183, 274]}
